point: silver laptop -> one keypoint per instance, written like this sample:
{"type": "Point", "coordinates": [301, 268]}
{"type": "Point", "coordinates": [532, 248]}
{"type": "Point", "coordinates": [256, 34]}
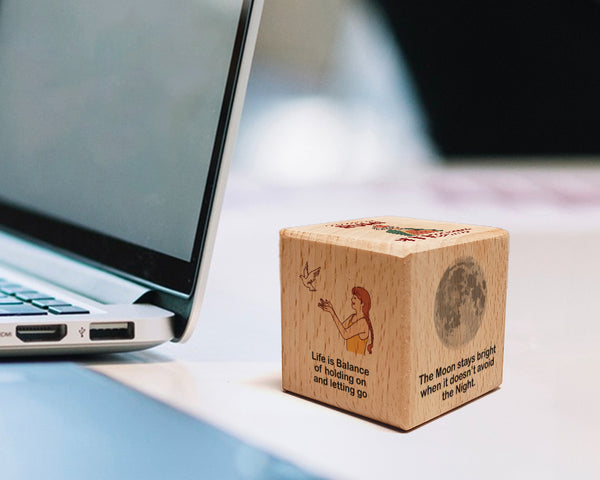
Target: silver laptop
{"type": "Point", "coordinates": [117, 121]}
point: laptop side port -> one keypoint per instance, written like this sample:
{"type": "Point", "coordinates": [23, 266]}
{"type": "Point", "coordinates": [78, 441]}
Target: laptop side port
{"type": "Point", "coordinates": [112, 331]}
{"type": "Point", "coordinates": [41, 333]}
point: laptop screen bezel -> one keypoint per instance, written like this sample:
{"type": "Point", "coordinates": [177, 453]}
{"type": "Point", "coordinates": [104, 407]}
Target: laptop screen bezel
{"type": "Point", "coordinates": [143, 265]}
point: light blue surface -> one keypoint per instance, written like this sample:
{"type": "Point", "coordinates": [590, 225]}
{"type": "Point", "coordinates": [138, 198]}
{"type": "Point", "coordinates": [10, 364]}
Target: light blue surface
{"type": "Point", "coordinates": [59, 420]}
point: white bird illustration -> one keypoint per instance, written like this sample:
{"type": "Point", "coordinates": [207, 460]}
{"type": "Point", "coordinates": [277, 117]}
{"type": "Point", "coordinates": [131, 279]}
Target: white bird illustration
{"type": "Point", "coordinates": [308, 278]}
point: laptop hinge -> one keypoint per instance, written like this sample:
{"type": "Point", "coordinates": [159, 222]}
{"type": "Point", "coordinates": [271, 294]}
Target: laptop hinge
{"type": "Point", "coordinates": [66, 272]}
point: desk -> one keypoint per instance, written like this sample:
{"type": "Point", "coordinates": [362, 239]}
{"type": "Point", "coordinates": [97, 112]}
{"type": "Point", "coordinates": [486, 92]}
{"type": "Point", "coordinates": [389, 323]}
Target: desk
{"type": "Point", "coordinates": [542, 422]}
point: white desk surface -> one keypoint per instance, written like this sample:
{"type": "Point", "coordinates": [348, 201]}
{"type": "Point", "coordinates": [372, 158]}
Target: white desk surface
{"type": "Point", "coordinates": [542, 423]}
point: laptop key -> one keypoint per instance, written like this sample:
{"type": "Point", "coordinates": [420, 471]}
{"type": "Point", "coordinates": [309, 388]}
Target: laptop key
{"type": "Point", "coordinates": [29, 296]}
{"type": "Point", "coordinates": [22, 309]}
{"type": "Point", "coordinates": [53, 302]}
{"type": "Point", "coordinates": [13, 288]}
{"type": "Point", "coordinates": [67, 310]}
{"type": "Point", "coordinates": [8, 300]}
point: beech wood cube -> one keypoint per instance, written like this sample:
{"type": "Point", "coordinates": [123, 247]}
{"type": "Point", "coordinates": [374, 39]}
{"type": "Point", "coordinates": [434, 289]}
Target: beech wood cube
{"type": "Point", "coordinates": [396, 319]}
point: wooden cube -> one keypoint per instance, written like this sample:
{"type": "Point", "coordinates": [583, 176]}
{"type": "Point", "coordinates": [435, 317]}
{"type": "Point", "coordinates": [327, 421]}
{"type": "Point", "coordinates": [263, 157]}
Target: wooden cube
{"type": "Point", "coordinates": [396, 319]}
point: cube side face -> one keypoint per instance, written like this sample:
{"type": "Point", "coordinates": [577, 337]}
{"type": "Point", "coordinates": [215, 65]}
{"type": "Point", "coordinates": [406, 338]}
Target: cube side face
{"type": "Point", "coordinates": [457, 313]}
{"type": "Point", "coordinates": [367, 373]}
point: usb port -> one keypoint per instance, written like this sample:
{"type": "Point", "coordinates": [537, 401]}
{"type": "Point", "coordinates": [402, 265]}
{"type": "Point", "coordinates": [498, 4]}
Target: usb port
{"type": "Point", "coordinates": [112, 331]}
{"type": "Point", "coordinates": [41, 333]}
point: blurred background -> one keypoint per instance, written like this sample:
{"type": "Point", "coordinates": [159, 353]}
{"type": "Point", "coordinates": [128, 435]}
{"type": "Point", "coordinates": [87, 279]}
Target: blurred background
{"type": "Point", "coordinates": [354, 90]}
{"type": "Point", "coordinates": [330, 98]}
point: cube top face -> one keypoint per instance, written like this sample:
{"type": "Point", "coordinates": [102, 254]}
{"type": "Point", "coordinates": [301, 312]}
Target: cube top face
{"type": "Point", "coordinates": [396, 319]}
{"type": "Point", "coordinates": [392, 235]}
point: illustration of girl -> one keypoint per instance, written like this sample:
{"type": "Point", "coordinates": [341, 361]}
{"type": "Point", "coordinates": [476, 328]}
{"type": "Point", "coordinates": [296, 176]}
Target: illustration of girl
{"type": "Point", "coordinates": [356, 328]}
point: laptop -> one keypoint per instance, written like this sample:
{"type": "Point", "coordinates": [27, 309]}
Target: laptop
{"type": "Point", "coordinates": [117, 122]}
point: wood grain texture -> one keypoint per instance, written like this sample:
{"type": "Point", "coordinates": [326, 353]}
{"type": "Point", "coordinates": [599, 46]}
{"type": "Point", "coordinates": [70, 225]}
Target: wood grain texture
{"type": "Point", "coordinates": [396, 319]}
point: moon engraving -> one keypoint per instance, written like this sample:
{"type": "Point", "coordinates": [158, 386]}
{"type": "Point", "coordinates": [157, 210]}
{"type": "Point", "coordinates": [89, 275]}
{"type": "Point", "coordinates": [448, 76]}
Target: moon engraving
{"type": "Point", "coordinates": [460, 302]}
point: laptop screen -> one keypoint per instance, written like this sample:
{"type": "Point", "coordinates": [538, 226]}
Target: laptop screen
{"type": "Point", "coordinates": [111, 125]}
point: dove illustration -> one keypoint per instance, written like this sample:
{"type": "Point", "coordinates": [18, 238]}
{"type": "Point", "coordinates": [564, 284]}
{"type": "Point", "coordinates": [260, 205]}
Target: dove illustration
{"type": "Point", "coordinates": [308, 278]}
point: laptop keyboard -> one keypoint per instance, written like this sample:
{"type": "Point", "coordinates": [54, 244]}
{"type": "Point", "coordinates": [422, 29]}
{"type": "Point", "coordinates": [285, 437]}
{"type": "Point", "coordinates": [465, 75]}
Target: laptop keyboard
{"type": "Point", "coordinates": [19, 300]}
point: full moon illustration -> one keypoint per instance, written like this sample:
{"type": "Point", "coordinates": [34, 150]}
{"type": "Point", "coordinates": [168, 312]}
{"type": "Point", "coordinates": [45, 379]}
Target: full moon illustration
{"type": "Point", "coordinates": [460, 302]}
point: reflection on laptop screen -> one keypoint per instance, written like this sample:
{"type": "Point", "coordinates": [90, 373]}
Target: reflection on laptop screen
{"type": "Point", "coordinates": [109, 112]}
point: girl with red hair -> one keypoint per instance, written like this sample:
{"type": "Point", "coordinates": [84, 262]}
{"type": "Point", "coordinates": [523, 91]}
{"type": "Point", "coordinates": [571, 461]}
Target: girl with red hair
{"type": "Point", "coordinates": [357, 327]}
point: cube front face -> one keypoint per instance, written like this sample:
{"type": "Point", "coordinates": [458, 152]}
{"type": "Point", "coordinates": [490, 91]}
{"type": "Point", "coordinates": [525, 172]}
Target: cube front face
{"type": "Point", "coordinates": [390, 331]}
{"type": "Point", "coordinates": [318, 362]}
{"type": "Point", "coordinates": [457, 322]}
